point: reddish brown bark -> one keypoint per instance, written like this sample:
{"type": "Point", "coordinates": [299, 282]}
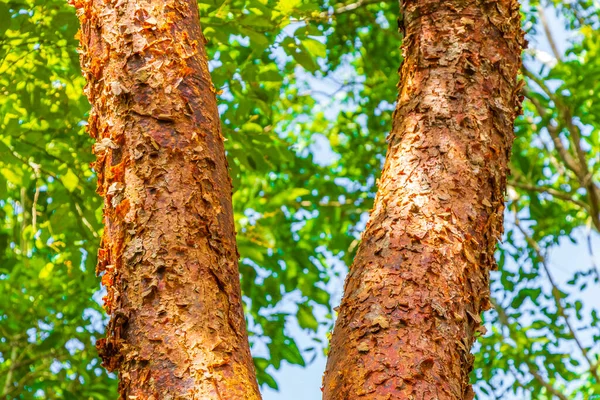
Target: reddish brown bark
{"type": "Point", "coordinates": [419, 283]}
{"type": "Point", "coordinates": [168, 253]}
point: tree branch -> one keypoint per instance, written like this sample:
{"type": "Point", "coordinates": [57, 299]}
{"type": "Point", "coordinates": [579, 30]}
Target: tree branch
{"type": "Point", "coordinates": [578, 166]}
{"type": "Point", "coordinates": [551, 191]}
{"type": "Point", "coordinates": [548, 33]}
{"type": "Point", "coordinates": [9, 376]}
{"type": "Point", "coordinates": [555, 294]}
{"type": "Point", "coordinates": [347, 7]}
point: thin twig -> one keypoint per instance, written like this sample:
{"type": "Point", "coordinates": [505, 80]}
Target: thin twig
{"type": "Point", "coordinates": [591, 252]}
{"type": "Point", "coordinates": [548, 33]}
{"type": "Point", "coordinates": [9, 376]}
{"type": "Point", "coordinates": [551, 191]}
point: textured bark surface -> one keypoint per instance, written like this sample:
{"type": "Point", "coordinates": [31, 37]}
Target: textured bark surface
{"type": "Point", "coordinates": [414, 295]}
{"type": "Point", "coordinates": [168, 254]}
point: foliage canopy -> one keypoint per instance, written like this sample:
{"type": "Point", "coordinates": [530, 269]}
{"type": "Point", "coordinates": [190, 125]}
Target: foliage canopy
{"type": "Point", "coordinates": [307, 91]}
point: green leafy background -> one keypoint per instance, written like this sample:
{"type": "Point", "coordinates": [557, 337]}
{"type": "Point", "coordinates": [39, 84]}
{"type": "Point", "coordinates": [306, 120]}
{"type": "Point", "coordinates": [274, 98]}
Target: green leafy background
{"type": "Point", "coordinates": [307, 90]}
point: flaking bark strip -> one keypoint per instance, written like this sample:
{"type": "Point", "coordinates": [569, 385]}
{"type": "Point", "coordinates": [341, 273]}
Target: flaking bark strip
{"type": "Point", "coordinates": [168, 254]}
{"type": "Point", "coordinates": [420, 280]}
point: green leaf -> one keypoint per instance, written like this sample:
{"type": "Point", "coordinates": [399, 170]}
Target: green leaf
{"type": "Point", "coordinates": [315, 48]}
{"type": "Point", "coordinates": [288, 196]}
{"type": "Point", "coordinates": [286, 6]}
{"type": "Point", "coordinates": [291, 353]}
{"type": "Point", "coordinates": [304, 58]}
{"type": "Point", "coordinates": [4, 18]}
{"type": "Point", "coordinates": [70, 180]}
{"type": "Point", "coordinates": [46, 272]}
{"type": "Point", "coordinates": [306, 318]}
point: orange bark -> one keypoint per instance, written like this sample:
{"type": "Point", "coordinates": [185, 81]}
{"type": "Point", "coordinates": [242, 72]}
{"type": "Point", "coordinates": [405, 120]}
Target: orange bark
{"type": "Point", "coordinates": [415, 292]}
{"type": "Point", "coordinates": [168, 253]}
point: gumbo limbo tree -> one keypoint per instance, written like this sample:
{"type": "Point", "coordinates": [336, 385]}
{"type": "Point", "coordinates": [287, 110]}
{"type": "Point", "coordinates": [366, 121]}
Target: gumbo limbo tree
{"type": "Point", "coordinates": [420, 280]}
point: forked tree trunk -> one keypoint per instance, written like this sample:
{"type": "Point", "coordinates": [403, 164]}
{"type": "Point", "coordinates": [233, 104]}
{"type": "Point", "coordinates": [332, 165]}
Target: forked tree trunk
{"type": "Point", "coordinates": [168, 254]}
{"type": "Point", "coordinates": [414, 295]}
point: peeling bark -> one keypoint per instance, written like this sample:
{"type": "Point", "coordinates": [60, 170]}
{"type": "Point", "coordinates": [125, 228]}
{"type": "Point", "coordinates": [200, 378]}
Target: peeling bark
{"type": "Point", "coordinates": [168, 255]}
{"type": "Point", "coordinates": [414, 294]}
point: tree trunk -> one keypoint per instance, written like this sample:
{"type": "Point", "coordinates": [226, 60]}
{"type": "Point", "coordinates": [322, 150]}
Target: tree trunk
{"type": "Point", "coordinates": [168, 253]}
{"type": "Point", "coordinates": [414, 295]}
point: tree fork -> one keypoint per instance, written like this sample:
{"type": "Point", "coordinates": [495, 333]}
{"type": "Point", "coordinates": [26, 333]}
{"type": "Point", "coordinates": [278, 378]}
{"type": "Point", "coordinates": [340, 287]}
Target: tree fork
{"type": "Point", "coordinates": [168, 255]}
{"type": "Point", "coordinates": [420, 280]}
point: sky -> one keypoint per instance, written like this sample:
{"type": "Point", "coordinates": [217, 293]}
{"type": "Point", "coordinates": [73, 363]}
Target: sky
{"type": "Point", "coordinates": [299, 383]}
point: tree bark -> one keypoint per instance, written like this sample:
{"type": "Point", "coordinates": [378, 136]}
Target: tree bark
{"type": "Point", "coordinates": [414, 294]}
{"type": "Point", "coordinates": [168, 254]}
